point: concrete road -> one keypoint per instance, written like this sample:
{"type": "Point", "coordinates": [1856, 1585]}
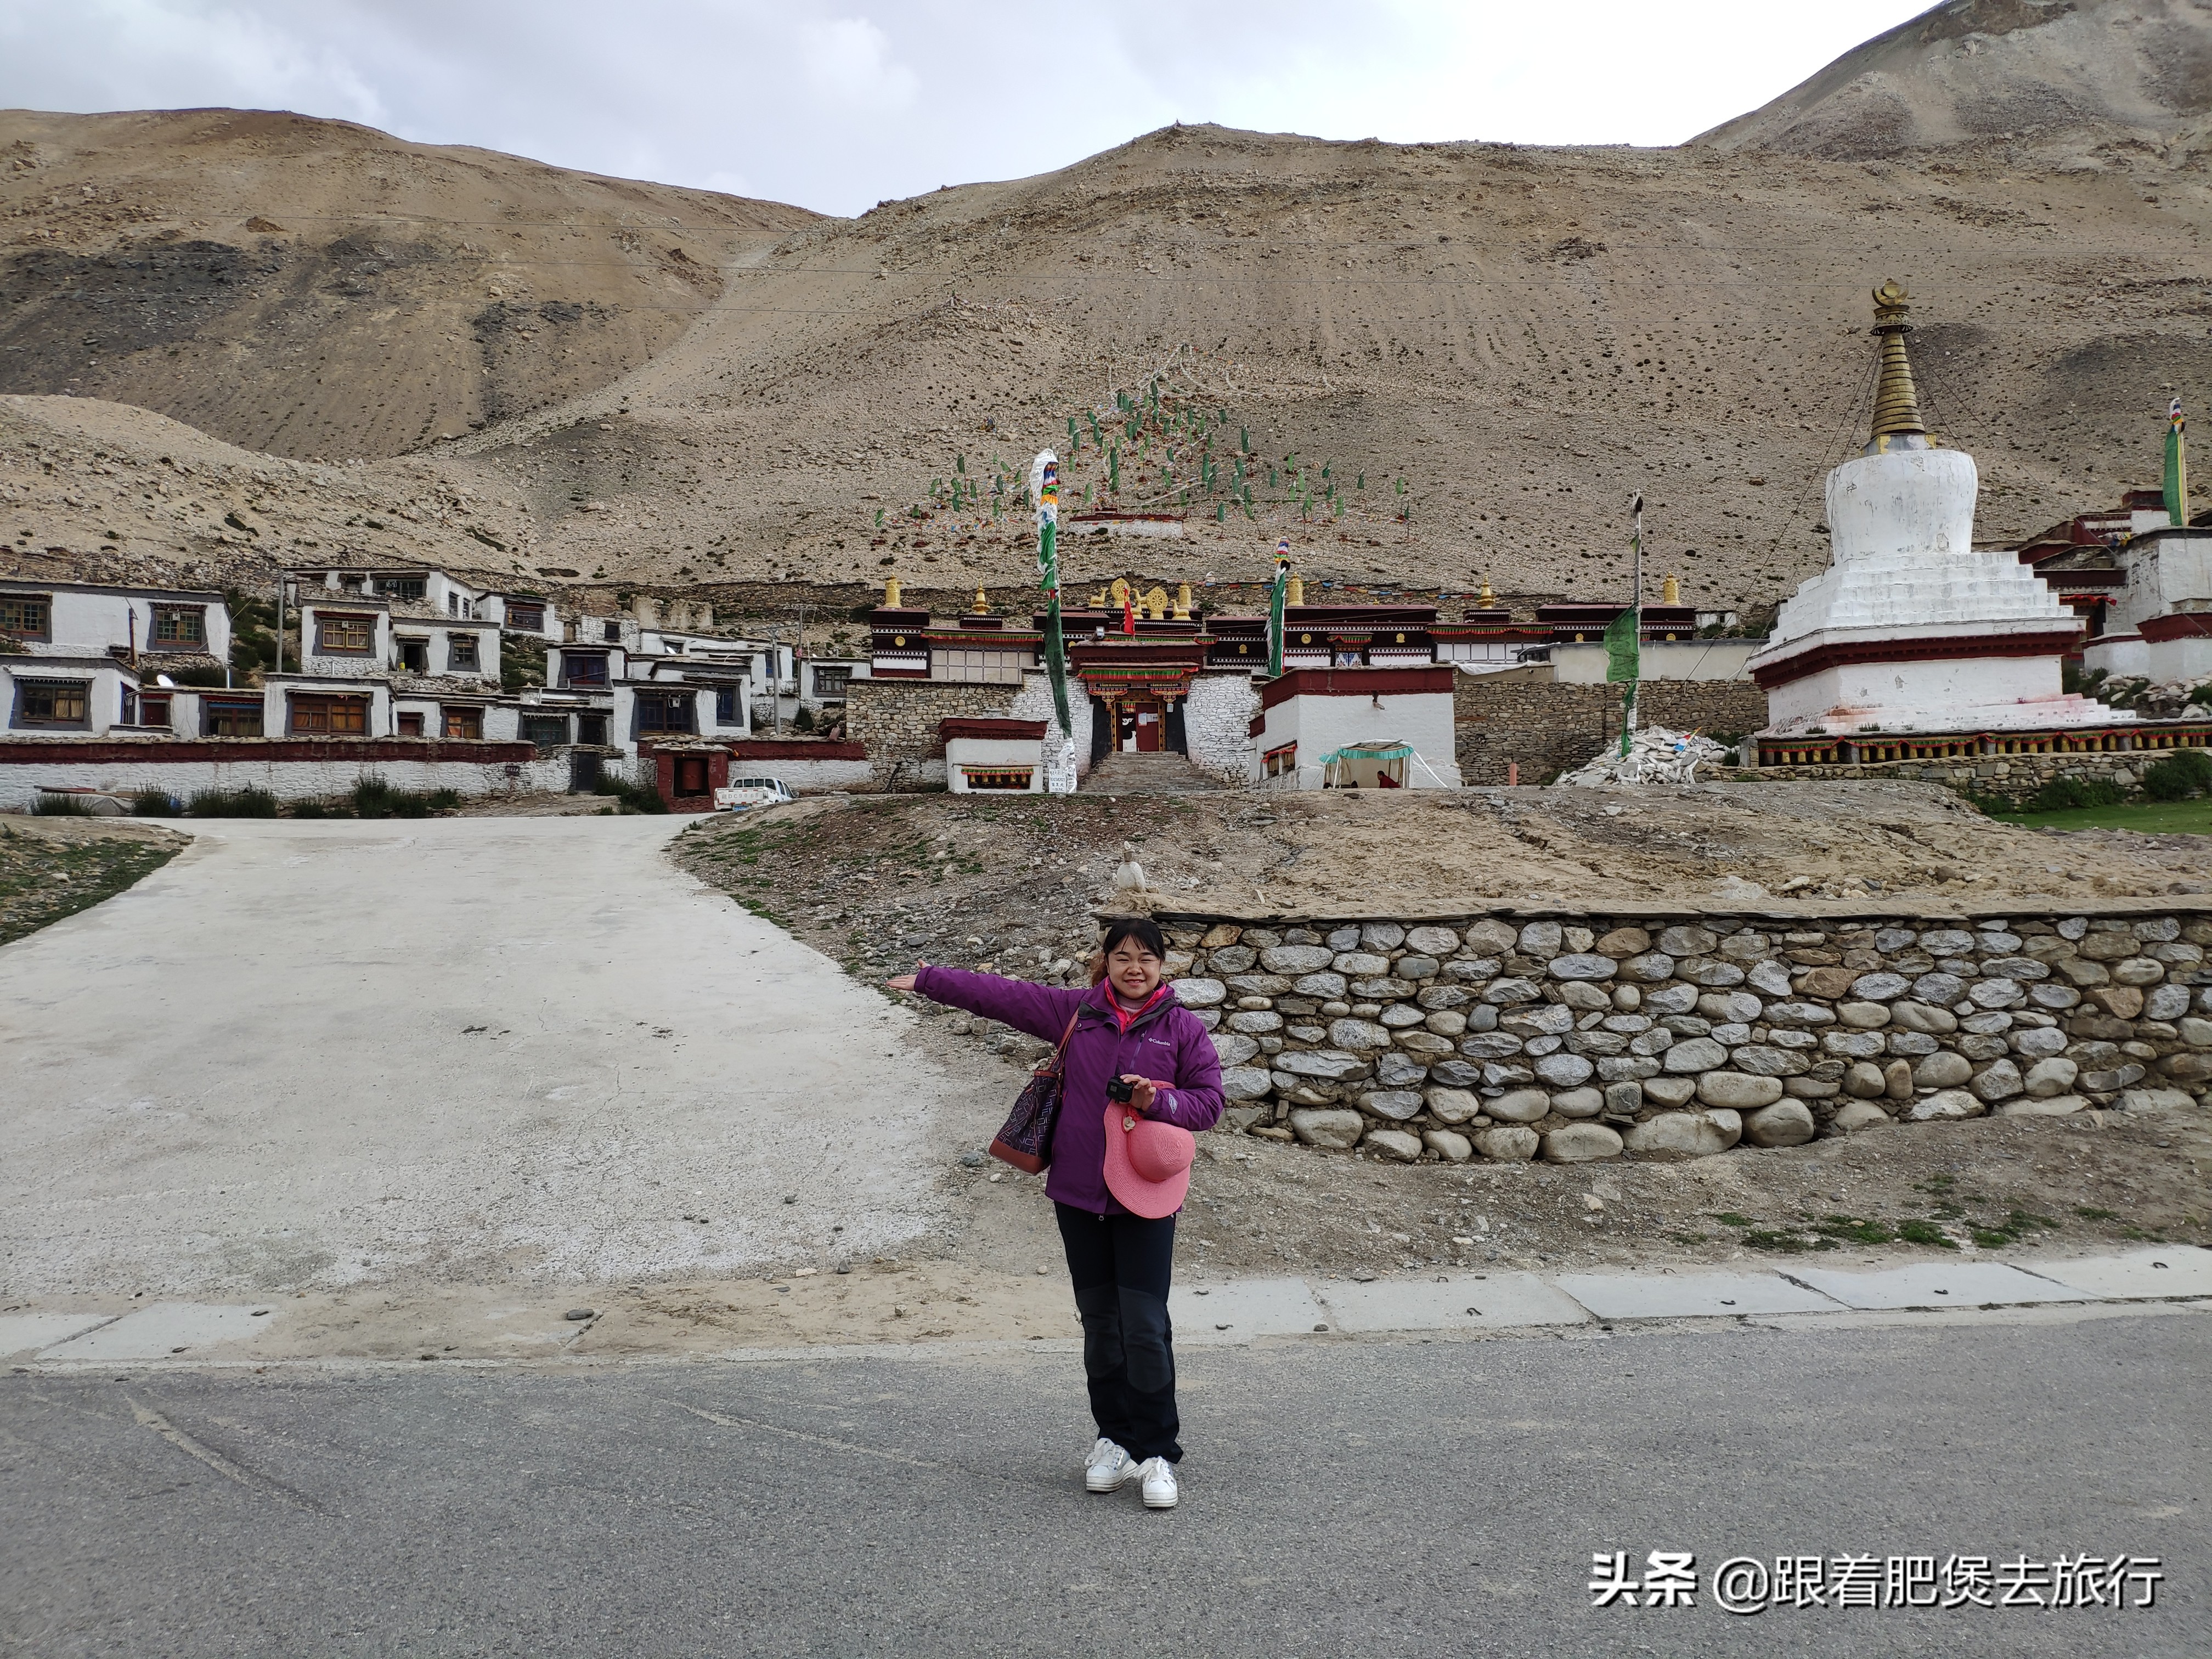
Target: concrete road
{"type": "Point", "coordinates": [491, 1049]}
{"type": "Point", "coordinates": [1341, 1497]}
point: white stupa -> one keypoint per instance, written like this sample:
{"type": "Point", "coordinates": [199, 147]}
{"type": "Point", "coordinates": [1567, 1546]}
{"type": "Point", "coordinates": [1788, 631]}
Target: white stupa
{"type": "Point", "coordinates": [1909, 628]}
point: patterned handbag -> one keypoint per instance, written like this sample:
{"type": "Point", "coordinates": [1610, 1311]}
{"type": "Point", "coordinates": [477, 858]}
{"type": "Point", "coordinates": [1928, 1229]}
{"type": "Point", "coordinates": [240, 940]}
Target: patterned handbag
{"type": "Point", "coordinates": [1025, 1139]}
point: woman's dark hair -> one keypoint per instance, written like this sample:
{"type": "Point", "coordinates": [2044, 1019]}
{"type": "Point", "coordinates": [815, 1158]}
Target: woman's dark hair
{"type": "Point", "coordinates": [1143, 929]}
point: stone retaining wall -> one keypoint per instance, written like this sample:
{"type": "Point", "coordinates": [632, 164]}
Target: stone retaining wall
{"type": "Point", "coordinates": [1549, 728]}
{"type": "Point", "coordinates": [1580, 1036]}
{"type": "Point", "coordinates": [896, 722]}
{"type": "Point", "coordinates": [2014, 778]}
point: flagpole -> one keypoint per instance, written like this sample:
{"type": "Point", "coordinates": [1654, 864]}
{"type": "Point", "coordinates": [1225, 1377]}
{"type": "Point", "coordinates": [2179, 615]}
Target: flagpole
{"type": "Point", "coordinates": [1044, 486]}
{"type": "Point", "coordinates": [1636, 609]}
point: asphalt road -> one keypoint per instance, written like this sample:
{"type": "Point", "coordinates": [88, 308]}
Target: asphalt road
{"type": "Point", "coordinates": [1340, 1498]}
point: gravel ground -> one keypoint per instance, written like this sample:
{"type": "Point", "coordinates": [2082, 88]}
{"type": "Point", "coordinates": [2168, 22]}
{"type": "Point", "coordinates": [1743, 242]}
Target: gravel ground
{"type": "Point", "coordinates": [1014, 885]}
{"type": "Point", "coordinates": [54, 867]}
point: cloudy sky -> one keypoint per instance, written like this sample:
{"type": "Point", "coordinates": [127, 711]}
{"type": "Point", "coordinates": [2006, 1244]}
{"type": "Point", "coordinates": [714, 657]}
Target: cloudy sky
{"type": "Point", "coordinates": [837, 104]}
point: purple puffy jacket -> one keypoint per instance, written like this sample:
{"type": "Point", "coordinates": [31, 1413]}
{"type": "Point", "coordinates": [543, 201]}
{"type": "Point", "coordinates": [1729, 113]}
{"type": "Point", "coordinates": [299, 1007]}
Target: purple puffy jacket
{"type": "Point", "coordinates": [1165, 1044]}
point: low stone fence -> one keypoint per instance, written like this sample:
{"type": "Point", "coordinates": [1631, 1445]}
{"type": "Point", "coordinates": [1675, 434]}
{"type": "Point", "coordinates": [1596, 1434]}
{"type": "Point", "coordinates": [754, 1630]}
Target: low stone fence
{"type": "Point", "coordinates": [1576, 1036]}
{"type": "Point", "coordinates": [2013, 778]}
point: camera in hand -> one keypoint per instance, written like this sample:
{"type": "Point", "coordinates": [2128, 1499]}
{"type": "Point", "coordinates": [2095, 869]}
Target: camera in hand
{"type": "Point", "coordinates": [1119, 1088]}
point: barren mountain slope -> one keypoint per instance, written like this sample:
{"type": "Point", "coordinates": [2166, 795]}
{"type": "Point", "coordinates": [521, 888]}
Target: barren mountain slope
{"type": "Point", "coordinates": [1969, 71]}
{"type": "Point", "coordinates": [1520, 338]}
{"type": "Point", "coordinates": [315, 288]}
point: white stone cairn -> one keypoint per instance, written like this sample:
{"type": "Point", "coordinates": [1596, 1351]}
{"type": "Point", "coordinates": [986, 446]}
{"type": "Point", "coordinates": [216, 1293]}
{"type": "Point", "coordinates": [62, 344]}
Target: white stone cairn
{"type": "Point", "coordinates": [1656, 755]}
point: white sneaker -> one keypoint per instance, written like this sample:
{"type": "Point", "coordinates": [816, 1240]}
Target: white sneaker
{"type": "Point", "coordinates": [1158, 1476]}
{"type": "Point", "coordinates": [1109, 1468]}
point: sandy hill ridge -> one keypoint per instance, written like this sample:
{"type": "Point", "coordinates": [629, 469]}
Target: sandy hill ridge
{"type": "Point", "coordinates": [1520, 336]}
{"type": "Point", "coordinates": [314, 288]}
{"type": "Point", "coordinates": [2044, 72]}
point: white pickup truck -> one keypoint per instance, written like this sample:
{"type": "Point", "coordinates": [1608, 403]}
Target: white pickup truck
{"type": "Point", "coordinates": [752, 792]}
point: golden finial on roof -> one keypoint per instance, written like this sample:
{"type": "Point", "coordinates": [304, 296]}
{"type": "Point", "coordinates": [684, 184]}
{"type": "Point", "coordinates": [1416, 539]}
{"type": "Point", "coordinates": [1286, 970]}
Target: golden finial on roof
{"type": "Point", "coordinates": [1485, 599]}
{"type": "Point", "coordinates": [1297, 593]}
{"type": "Point", "coordinates": [1182, 602]}
{"type": "Point", "coordinates": [1896, 403]}
{"type": "Point", "coordinates": [890, 592]}
{"type": "Point", "coordinates": [1156, 602]}
{"type": "Point", "coordinates": [1120, 590]}
{"type": "Point", "coordinates": [1673, 594]}
{"type": "Point", "coordinates": [982, 604]}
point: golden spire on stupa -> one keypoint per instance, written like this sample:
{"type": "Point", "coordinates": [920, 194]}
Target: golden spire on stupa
{"type": "Point", "coordinates": [1485, 599]}
{"type": "Point", "coordinates": [1897, 422]}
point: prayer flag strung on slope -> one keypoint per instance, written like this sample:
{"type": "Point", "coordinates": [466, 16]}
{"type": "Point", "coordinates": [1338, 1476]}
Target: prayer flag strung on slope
{"type": "Point", "coordinates": [2177, 467]}
{"type": "Point", "coordinates": [1044, 489]}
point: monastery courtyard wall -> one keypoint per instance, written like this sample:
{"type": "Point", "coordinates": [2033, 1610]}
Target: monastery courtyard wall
{"type": "Point", "coordinates": [1548, 727]}
{"type": "Point", "coordinates": [1581, 1035]}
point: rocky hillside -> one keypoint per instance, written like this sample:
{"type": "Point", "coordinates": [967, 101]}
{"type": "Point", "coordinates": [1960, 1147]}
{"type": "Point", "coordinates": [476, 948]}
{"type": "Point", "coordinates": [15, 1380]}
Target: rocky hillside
{"type": "Point", "coordinates": [1425, 364]}
{"type": "Point", "coordinates": [315, 289]}
{"type": "Point", "coordinates": [2056, 75]}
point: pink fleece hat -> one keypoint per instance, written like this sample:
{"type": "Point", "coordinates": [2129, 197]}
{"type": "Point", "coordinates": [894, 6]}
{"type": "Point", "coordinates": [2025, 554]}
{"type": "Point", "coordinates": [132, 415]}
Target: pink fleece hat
{"type": "Point", "coordinates": [1147, 1163]}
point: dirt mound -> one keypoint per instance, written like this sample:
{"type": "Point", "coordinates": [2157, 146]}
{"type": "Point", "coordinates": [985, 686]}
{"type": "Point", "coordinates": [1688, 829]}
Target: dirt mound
{"type": "Point", "coordinates": [312, 288]}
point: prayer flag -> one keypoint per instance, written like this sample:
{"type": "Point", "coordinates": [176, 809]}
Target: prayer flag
{"type": "Point", "coordinates": [2177, 467]}
{"type": "Point", "coordinates": [1277, 590]}
{"type": "Point", "coordinates": [1044, 489]}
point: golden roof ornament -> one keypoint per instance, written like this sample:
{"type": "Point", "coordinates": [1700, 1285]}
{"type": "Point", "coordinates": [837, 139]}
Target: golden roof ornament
{"type": "Point", "coordinates": [1673, 594]}
{"type": "Point", "coordinates": [1297, 593]}
{"type": "Point", "coordinates": [982, 604]}
{"type": "Point", "coordinates": [890, 592]}
{"type": "Point", "coordinates": [1182, 602]}
{"type": "Point", "coordinates": [1487, 599]}
{"type": "Point", "coordinates": [1897, 422]}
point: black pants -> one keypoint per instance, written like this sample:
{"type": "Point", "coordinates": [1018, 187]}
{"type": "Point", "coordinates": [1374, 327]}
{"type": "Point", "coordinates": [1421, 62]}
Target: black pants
{"type": "Point", "coordinates": [1120, 1265]}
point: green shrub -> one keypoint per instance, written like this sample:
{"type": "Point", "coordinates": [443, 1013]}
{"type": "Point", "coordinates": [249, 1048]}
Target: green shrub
{"type": "Point", "coordinates": [444, 800]}
{"type": "Point", "coordinates": [203, 674]}
{"type": "Point", "coordinates": [251, 802]}
{"type": "Point", "coordinates": [2178, 775]}
{"type": "Point", "coordinates": [318, 809]}
{"type": "Point", "coordinates": [2070, 794]}
{"type": "Point", "coordinates": [375, 798]}
{"type": "Point", "coordinates": [155, 804]}
{"type": "Point", "coordinates": [631, 796]}
{"type": "Point", "coordinates": [61, 806]}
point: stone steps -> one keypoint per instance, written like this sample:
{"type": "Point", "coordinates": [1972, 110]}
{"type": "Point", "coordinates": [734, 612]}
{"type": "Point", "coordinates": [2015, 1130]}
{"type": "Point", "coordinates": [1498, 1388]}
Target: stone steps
{"type": "Point", "coordinates": [1123, 774]}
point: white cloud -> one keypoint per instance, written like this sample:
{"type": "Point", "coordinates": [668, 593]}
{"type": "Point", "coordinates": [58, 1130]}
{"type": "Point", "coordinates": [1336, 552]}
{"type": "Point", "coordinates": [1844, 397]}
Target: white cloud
{"type": "Point", "coordinates": [849, 60]}
{"type": "Point", "coordinates": [815, 102]}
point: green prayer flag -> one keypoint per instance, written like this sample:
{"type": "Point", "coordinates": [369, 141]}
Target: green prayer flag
{"type": "Point", "coordinates": [1621, 656]}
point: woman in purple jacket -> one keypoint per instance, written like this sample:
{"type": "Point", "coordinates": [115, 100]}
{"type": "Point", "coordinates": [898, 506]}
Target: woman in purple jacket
{"type": "Point", "coordinates": [1128, 1025]}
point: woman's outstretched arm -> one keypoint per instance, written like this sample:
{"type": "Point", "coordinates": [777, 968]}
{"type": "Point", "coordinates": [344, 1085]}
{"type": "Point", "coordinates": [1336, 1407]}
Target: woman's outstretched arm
{"type": "Point", "coordinates": [1040, 1010]}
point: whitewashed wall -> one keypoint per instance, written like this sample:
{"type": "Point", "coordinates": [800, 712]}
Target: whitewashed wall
{"type": "Point", "coordinates": [1217, 724]}
{"type": "Point", "coordinates": [287, 780]}
{"type": "Point", "coordinates": [1322, 724]}
{"type": "Point", "coordinates": [1034, 702]}
{"type": "Point", "coordinates": [995, 751]}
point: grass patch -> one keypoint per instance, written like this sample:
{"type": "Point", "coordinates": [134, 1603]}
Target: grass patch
{"type": "Point", "coordinates": [1760, 1238]}
{"type": "Point", "coordinates": [1851, 1229]}
{"type": "Point", "coordinates": [2088, 1213]}
{"type": "Point", "coordinates": [157, 803]}
{"type": "Point", "coordinates": [1925, 1232]}
{"type": "Point", "coordinates": [42, 880]}
{"type": "Point", "coordinates": [61, 806]}
{"type": "Point", "coordinates": [2171, 818]}
{"type": "Point", "coordinates": [1730, 1218]}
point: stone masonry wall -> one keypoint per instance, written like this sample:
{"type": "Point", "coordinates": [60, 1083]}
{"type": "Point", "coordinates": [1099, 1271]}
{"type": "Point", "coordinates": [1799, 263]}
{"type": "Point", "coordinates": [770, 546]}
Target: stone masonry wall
{"type": "Point", "coordinates": [1551, 727]}
{"type": "Point", "coordinates": [2015, 778]}
{"type": "Point", "coordinates": [1216, 725]}
{"type": "Point", "coordinates": [896, 722]}
{"type": "Point", "coordinates": [1584, 1037]}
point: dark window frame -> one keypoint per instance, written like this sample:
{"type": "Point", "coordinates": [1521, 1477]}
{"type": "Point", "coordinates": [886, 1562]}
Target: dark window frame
{"type": "Point", "coordinates": [571, 660]}
{"type": "Point", "coordinates": [28, 689]}
{"type": "Point", "coordinates": [215, 711]}
{"type": "Point", "coordinates": [323, 621]}
{"type": "Point", "coordinates": [327, 704]}
{"type": "Point", "coordinates": [456, 644]}
{"type": "Point", "coordinates": [196, 614]}
{"type": "Point", "coordinates": [19, 605]}
{"type": "Point", "coordinates": [663, 703]}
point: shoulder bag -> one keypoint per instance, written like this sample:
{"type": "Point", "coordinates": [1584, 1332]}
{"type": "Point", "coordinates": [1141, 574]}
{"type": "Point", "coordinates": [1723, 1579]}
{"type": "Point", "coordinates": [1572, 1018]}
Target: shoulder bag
{"type": "Point", "coordinates": [1025, 1139]}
